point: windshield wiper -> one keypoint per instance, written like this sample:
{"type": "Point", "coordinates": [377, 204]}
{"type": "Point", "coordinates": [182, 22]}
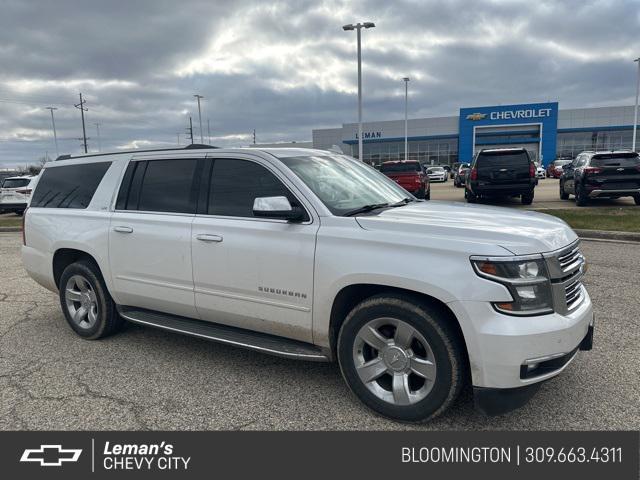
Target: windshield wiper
{"type": "Point", "coordinates": [402, 202]}
{"type": "Point", "coordinates": [365, 208]}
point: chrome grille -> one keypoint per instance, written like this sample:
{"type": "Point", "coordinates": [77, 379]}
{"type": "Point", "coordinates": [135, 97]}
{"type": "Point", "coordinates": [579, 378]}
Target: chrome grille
{"type": "Point", "coordinates": [566, 271]}
{"type": "Point", "coordinates": [570, 260]}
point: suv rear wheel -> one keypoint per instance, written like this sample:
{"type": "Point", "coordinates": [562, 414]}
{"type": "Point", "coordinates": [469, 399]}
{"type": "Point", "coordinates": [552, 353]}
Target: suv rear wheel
{"type": "Point", "coordinates": [471, 197]}
{"type": "Point", "coordinates": [86, 303]}
{"type": "Point", "coordinates": [636, 198]}
{"type": "Point", "coordinates": [527, 198]}
{"type": "Point", "coordinates": [402, 359]}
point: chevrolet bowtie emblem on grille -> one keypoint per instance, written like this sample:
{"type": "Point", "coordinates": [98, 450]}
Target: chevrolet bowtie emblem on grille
{"type": "Point", "coordinates": [50, 455]}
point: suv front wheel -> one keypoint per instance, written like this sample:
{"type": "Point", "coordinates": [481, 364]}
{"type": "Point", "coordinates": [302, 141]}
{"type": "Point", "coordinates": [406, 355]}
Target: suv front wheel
{"type": "Point", "coordinates": [581, 196]}
{"type": "Point", "coordinates": [402, 359]}
{"type": "Point", "coordinates": [86, 303]}
{"type": "Point", "coordinates": [563, 195]}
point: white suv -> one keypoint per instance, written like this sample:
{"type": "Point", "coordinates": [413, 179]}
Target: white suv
{"type": "Point", "coordinates": [313, 255]}
{"type": "Point", "coordinates": [15, 193]}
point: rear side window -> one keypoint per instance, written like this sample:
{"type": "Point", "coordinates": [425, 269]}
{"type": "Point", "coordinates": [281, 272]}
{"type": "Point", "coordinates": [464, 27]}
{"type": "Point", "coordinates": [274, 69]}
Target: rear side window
{"type": "Point", "coordinates": [500, 159]}
{"type": "Point", "coordinates": [615, 161]}
{"type": "Point", "coordinates": [169, 186]}
{"type": "Point", "coordinates": [15, 182]}
{"type": "Point", "coordinates": [235, 184]}
{"type": "Point", "coordinates": [400, 167]}
{"type": "Point", "coordinates": [71, 186]}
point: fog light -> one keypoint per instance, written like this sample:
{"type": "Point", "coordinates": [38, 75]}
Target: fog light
{"type": "Point", "coordinates": [527, 293]}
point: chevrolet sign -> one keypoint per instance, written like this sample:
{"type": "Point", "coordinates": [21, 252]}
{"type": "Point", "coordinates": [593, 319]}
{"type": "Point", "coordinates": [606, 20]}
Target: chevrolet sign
{"type": "Point", "coordinates": [476, 116]}
{"type": "Point", "coordinates": [525, 113]}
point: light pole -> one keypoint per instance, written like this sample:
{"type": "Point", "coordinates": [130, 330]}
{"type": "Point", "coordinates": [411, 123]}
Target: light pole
{"type": "Point", "coordinates": [635, 114]}
{"type": "Point", "coordinates": [406, 118]}
{"type": "Point", "coordinates": [55, 135]}
{"type": "Point", "coordinates": [358, 27]}
{"type": "Point", "coordinates": [200, 117]}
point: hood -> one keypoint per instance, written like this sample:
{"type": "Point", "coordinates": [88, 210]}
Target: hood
{"type": "Point", "coordinates": [521, 232]}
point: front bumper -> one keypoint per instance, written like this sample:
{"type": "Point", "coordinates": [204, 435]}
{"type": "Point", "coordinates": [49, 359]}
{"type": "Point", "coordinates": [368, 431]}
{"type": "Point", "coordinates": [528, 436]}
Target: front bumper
{"type": "Point", "coordinates": [500, 345]}
{"type": "Point", "coordinates": [495, 401]}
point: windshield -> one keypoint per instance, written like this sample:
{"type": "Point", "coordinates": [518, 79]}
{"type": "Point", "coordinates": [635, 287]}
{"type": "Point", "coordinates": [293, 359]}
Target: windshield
{"type": "Point", "coordinates": [344, 184]}
{"type": "Point", "coordinates": [400, 167]}
{"type": "Point", "coordinates": [15, 182]}
{"type": "Point", "coordinates": [559, 163]}
{"type": "Point", "coordinates": [435, 170]}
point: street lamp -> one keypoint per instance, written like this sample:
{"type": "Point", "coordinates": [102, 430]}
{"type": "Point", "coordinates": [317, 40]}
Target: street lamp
{"type": "Point", "coordinates": [635, 114]}
{"type": "Point", "coordinates": [358, 27]}
{"type": "Point", "coordinates": [406, 118]}
{"type": "Point", "coordinates": [55, 136]}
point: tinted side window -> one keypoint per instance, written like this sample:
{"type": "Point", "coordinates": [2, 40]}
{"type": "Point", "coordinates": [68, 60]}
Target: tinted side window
{"type": "Point", "coordinates": [236, 183]}
{"type": "Point", "coordinates": [168, 186]}
{"type": "Point", "coordinates": [70, 186]}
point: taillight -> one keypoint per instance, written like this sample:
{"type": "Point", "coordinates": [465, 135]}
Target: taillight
{"type": "Point", "coordinates": [592, 170]}
{"type": "Point", "coordinates": [25, 191]}
{"type": "Point", "coordinates": [24, 236]}
{"type": "Point", "coordinates": [532, 170]}
{"type": "Point", "coordinates": [474, 174]}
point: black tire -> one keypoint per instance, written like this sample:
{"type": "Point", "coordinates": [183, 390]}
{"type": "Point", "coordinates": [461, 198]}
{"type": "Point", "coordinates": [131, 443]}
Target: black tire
{"type": "Point", "coordinates": [107, 320]}
{"type": "Point", "coordinates": [470, 196]}
{"type": "Point", "coordinates": [420, 193]}
{"type": "Point", "coordinates": [636, 198]}
{"type": "Point", "coordinates": [427, 195]}
{"type": "Point", "coordinates": [563, 195]}
{"type": "Point", "coordinates": [19, 212]}
{"type": "Point", "coordinates": [433, 325]}
{"type": "Point", "coordinates": [527, 198]}
{"type": "Point", "coordinates": [581, 196]}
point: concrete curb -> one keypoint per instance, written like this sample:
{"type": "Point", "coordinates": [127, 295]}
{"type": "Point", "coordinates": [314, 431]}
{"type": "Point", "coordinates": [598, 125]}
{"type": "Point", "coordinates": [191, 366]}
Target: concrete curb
{"type": "Point", "coordinates": [10, 229]}
{"type": "Point", "coordinates": [608, 235]}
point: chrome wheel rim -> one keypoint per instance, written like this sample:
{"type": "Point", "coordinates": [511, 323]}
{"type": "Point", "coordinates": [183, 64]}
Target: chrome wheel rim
{"type": "Point", "coordinates": [81, 301]}
{"type": "Point", "coordinates": [394, 361]}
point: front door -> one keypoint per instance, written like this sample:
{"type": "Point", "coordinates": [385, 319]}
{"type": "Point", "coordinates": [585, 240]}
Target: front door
{"type": "Point", "coordinates": [250, 272]}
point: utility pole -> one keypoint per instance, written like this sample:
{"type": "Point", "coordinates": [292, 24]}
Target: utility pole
{"type": "Point", "coordinates": [254, 136]}
{"type": "Point", "coordinates": [97, 124]}
{"type": "Point", "coordinates": [55, 135]}
{"type": "Point", "coordinates": [635, 114]}
{"type": "Point", "coordinates": [198, 97]}
{"type": "Point", "coordinates": [208, 132]}
{"type": "Point", "coordinates": [84, 131]}
{"type": "Point", "coordinates": [190, 130]}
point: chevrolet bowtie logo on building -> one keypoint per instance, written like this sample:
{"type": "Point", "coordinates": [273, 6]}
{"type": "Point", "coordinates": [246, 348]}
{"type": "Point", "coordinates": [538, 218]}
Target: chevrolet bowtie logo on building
{"type": "Point", "coordinates": [50, 455]}
{"type": "Point", "coordinates": [476, 116]}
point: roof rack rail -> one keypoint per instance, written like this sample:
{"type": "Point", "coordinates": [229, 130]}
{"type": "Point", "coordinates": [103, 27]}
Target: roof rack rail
{"type": "Point", "coordinates": [193, 146]}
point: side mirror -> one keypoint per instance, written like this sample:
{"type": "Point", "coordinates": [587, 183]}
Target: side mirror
{"type": "Point", "coordinates": [278, 208]}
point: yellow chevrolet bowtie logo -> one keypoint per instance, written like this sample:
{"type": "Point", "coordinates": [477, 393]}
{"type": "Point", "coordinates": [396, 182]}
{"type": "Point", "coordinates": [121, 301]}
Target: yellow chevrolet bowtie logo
{"type": "Point", "coordinates": [476, 116]}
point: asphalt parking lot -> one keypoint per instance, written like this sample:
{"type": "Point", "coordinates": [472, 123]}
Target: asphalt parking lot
{"type": "Point", "coordinates": [143, 378]}
{"type": "Point", "coordinates": [546, 196]}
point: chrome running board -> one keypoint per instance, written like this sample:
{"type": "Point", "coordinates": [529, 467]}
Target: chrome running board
{"type": "Point", "coordinates": [260, 342]}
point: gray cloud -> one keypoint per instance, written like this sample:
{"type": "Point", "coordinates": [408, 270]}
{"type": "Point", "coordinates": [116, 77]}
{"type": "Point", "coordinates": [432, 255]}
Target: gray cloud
{"type": "Point", "coordinates": [284, 68]}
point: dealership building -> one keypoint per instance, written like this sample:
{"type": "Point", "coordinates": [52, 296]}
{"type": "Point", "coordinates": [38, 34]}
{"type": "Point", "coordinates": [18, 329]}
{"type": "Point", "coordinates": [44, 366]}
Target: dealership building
{"type": "Point", "coordinates": [546, 131]}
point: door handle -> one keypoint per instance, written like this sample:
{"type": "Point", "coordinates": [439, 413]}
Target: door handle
{"type": "Point", "coordinates": [122, 229]}
{"type": "Point", "coordinates": [209, 238]}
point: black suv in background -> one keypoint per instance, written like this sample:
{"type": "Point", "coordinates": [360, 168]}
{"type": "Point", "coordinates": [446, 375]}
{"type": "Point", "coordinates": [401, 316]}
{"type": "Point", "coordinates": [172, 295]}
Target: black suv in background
{"type": "Point", "coordinates": [501, 172]}
{"type": "Point", "coordinates": [601, 175]}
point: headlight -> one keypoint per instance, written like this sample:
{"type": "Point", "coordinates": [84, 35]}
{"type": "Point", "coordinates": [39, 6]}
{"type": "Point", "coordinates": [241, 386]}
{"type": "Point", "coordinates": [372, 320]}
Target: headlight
{"type": "Point", "coordinates": [526, 279]}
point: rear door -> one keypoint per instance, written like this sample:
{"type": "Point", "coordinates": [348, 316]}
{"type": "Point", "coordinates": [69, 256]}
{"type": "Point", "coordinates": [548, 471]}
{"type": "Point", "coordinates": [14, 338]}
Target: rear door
{"type": "Point", "coordinates": [249, 272]}
{"type": "Point", "coordinates": [503, 168]}
{"type": "Point", "coordinates": [615, 171]}
{"type": "Point", "coordinates": [150, 235]}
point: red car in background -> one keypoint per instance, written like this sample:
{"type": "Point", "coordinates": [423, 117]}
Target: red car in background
{"type": "Point", "coordinates": [554, 169]}
{"type": "Point", "coordinates": [410, 176]}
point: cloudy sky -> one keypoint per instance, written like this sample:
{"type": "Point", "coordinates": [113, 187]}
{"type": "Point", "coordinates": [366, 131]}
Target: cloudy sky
{"type": "Point", "coordinates": [286, 67]}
